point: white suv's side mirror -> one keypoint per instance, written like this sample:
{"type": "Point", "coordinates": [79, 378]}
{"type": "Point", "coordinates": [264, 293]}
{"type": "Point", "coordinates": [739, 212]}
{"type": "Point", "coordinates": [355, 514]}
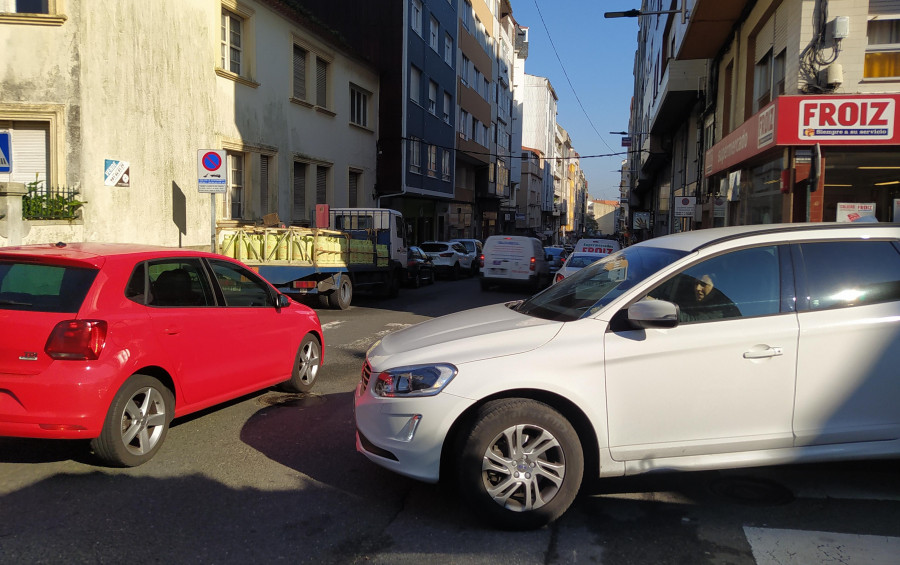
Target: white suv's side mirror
{"type": "Point", "coordinates": [653, 314]}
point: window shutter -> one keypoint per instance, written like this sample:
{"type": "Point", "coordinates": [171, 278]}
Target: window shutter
{"type": "Point", "coordinates": [264, 184]}
{"type": "Point", "coordinates": [299, 211]}
{"type": "Point", "coordinates": [883, 7]}
{"type": "Point", "coordinates": [764, 39]}
{"type": "Point", "coordinates": [321, 83]}
{"type": "Point", "coordinates": [353, 186]}
{"type": "Point", "coordinates": [321, 184]}
{"type": "Point", "coordinates": [30, 149]}
{"type": "Point", "coordinates": [299, 73]}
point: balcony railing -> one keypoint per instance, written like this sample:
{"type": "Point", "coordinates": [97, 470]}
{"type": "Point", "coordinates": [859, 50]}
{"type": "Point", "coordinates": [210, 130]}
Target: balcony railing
{"type": "Point", "coordinates": [41, 203]}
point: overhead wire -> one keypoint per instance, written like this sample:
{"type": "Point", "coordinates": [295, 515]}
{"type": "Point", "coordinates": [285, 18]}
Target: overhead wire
{"type": "Point", "coordinates": [563, 67]}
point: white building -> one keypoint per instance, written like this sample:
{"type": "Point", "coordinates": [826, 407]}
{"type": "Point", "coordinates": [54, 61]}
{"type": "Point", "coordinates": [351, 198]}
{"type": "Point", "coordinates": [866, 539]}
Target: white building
{"type": "Point", "coordinates": [146, 85]}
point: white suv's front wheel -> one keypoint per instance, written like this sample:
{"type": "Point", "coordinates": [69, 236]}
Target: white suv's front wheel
{"type": "Point", "coordinates": [521, 464]}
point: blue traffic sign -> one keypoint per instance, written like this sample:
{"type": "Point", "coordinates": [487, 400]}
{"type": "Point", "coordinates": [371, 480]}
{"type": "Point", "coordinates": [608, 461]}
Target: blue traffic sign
{"type": "Point", "coordinates": [5, 152]}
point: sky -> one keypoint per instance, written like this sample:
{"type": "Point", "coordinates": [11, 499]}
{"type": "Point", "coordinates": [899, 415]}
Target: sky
{"type": "Point", "coordinates": [589, 60]}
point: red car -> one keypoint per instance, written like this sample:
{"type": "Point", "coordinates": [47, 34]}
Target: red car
{"type": "Point", "coordinates": [109, 342]}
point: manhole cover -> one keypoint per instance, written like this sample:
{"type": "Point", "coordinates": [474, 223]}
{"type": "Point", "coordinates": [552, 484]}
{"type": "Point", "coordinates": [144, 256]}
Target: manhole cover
{"type": "Point", "coordinates": [298, 400]}
{"type": "Point", "coordinates": [752, 491]}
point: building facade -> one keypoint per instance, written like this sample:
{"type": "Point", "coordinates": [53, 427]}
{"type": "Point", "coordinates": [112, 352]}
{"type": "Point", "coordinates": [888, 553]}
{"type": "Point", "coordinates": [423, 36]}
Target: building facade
{"type": "Point", "coordinates": [121, 117]}
{"type": "Point", "coordinates": [784, 111]}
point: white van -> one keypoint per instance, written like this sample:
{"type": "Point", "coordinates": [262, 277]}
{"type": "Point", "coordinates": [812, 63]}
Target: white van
{"type": "Point", "coordinates": [514, 260]}
{"type": "Point", "coordinates": [605, 246]}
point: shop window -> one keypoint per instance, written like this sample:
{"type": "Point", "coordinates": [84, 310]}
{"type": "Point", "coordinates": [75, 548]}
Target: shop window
{"type": "Point", "coordinates": [883, 50]}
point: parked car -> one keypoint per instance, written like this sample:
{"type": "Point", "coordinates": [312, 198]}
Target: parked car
{"type": "Point", "coordinates": [556, 256]}
{"type": "Point", "coordinates": [707, 349]}
{"type": "Point", "coordinates": [575, 262]}
{"type": "Point", "coordinates": [112, 341]}
{"type": "Point", "coordinates": [419, 268]}
{"type": "Point", "coordinates": [451, 259]}
{"type": "Point", "coordinates": [473, 246]}
{"type": "Point", "coordinates": [514, 260]}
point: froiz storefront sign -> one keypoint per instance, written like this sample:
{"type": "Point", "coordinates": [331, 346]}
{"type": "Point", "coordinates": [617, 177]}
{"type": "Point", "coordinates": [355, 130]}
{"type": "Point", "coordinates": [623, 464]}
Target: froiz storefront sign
{"type": "Point", "coordinates": [846, 118]}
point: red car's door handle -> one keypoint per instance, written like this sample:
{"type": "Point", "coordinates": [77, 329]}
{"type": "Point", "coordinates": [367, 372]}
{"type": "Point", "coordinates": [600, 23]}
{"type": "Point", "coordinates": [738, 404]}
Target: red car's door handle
{"type": "Point", "coordinates": [172, 330]}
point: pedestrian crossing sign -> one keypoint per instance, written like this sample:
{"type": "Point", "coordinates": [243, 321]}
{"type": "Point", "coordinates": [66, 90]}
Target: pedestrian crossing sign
{"type": "Point", "coordinates": [5, 154]}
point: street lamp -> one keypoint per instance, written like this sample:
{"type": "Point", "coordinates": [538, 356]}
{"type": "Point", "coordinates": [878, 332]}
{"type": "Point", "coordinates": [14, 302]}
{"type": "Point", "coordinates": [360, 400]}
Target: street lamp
{"type": "Point", "coordinates": [638, 13]}
{"type": "Point", "coordinates": [630, 133]}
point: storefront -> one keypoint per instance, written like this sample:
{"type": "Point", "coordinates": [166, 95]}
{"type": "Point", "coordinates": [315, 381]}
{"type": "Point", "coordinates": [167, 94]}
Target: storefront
{"type": "Point", "coordinates": [760, 173]}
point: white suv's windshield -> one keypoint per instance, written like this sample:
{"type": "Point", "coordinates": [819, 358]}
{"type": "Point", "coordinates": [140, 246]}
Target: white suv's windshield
{"type": "Point", "coordinates": [599, 283]}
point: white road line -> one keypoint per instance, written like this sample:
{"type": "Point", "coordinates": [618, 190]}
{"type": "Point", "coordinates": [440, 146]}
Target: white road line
{"type": "Point", "coordinates": [332, 325]}
{"type": "Point", "coordinates": [366, 342]}
{"type": "Point", "coordinates": [773, 546]}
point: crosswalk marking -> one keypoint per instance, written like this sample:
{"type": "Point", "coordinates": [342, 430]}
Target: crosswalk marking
{"type": "Point", "coordinates": [772, 546]}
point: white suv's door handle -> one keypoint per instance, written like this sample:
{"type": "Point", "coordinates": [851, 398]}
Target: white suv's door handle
{"type": "Point", "coordinates": [763, 353]}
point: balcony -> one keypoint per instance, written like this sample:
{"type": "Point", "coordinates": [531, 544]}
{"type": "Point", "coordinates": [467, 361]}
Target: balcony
{"type": "Point", "coordinates": [709, 27]}
{"type": "Point", "coordinates": [678, 91]}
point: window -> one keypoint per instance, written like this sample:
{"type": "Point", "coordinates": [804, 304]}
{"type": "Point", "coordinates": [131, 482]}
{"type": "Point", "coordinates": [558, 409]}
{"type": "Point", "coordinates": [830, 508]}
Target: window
{"type": "Point", "coordinates": [445, 165]}
{"type": "Point", "coordinates": [743, 283]}
{"type": "Point", "coordinates": [476, 82]}
{"type": "Point", "coordinates": [448, 103]}
{"type": "Point", "coordinates": [415, 16]}
{"type": "Point", "coordinates": [475, 132]}
{"type": "Point", "coordinates": [869, 274]}
{"type": "Point", "coordinates": [463, 125]}
{"type": "Point", "coordinates": [467, 16]}
{"type": "Point", "coordinates": [181, 283]}
{"type": "Point", "coordinates": [300, 72]}
{"type": "Point", "coordinates": [236, 185]}
{"type": "Point", "coordinates": [27, 7]}
{"type": "Point", "coordinates": [883, 50]}
{"type": "Point", "coordinates": [353, 184]}
{"type": "Point", "coordinates": [359, 106]}
{"type": "Point", "coordinates": [415, 159]}
{"type": "Point", "coordinates": [321, 83]}
{"type": "Point", "coordinates": [464, 70]}
{"type": "Point", "coordinates": [448, 50]}
{"type": "Point", "coordinates": [241, 287]}
{"type": "Point", "coordinates": [432, 160]}
{"type": "Point", "coordinates": [415, 79]}
{"type": "Point", "coordinates": [434, 33]}
{"type": "Point", "coordinates": [762, 82]}
{"type": "Point", "coordinates": [298, 210]}
{"type": "Point", "coordinates": [778, 74]}
{"type": "Point", "coordinates": [432, 96]}
{"type": "Point", "coordinates": [322, 172]}
{"type": "Point", "coordinates": [486, 89]}
{"type": "Point", "coordinates": [230, 59]}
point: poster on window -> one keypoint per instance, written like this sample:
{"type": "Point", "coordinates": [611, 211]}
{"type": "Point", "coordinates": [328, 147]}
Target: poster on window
{"type": "Point", "coordinates": [719, 207]}
{"type": "Point", "coordinates": [641, 221]}
{"type": "Point", "coordinates": [854, 211]}
{"type": "Point", "coordinates": [734, 186]}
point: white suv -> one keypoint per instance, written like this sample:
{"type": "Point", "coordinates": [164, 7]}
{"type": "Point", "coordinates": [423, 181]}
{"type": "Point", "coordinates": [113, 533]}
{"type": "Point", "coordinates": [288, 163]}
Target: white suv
{"type": "Point", "coordinates": [708, 349]}
{"type": "Point", "coordinates": [450, 258]}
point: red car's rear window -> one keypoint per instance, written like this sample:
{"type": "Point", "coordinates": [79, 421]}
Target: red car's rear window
{"type": "Point", "coordinates": [39, 287]}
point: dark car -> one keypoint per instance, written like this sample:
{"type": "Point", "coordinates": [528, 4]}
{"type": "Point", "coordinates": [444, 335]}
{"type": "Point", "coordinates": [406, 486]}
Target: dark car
{"type": "Point", "coordinates": [556, 256]}
{"type": "Point", "coordinates": [419, 267]}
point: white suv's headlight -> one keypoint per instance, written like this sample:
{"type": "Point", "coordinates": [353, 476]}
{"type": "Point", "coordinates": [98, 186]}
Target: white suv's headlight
{"type": "Point", "coordinates": [418, 380]}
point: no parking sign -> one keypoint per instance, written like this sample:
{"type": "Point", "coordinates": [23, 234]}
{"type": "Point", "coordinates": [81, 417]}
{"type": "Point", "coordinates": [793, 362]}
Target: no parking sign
{"type": "Point", "coordinates": [212, 172]}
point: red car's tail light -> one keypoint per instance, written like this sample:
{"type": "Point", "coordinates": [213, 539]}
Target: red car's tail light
{"type": "Point", "coordinates": [80, 340]}
{"type": "Point", "coordinates": [533, 263]}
